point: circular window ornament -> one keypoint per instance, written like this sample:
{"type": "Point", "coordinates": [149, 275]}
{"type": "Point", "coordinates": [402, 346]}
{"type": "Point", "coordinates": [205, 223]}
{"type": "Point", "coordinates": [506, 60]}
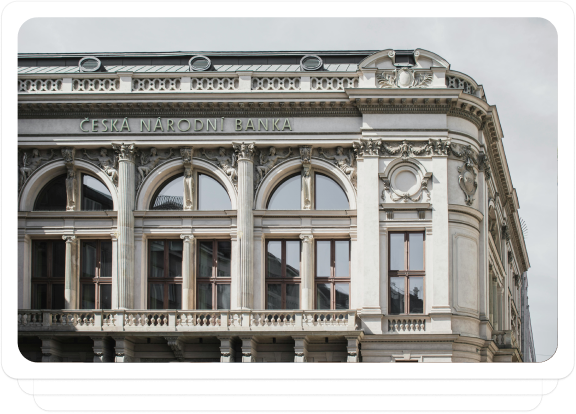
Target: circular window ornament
{"type": "Point", "coordinates": [311, 62]}
{"type": "Point", "coordinates": [199, 63]}
{"type": "Point", "coordinates": [89, 64]}
{"type": "Point", "coordinates": [407, 183]}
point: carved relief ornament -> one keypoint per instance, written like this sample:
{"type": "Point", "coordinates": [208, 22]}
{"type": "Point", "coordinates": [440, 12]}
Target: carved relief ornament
{"type": "Point", "coordinates": [227, 163]}
{"type": "Point", "coordinates": [404, 78]}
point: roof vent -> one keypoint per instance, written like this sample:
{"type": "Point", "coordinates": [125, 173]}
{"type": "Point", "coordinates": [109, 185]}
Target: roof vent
{"type": "Point", "coordinates": [311, 62]}
{"type": "Point", "coordinates": [404, 58]}
{"type": "Point", "coordinates": [89, 64]}
{"type": "Point", "coordinates": [199, 63]}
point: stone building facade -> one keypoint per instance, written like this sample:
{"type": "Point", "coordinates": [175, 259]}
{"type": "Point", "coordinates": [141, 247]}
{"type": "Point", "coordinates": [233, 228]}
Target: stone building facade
{"type": "Point", "coordinates": [264, 207]}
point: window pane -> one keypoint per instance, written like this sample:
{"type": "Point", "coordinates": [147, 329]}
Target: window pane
{"type": "Point", "coordinates": [396, 295]}
{"type": "Point", "coordinates": [171, 196]}
{"type": "Point", "coordinates": [175, 296]}
{"type": "Point", "coordinates": [95, 195]}
{"type": "Point", "coordinates": [205, 259]}
{"type": "Point", "coordinates": [156, 296]}
{"type": "Point", "coordinates": [416, 294]}
{"type": "Point", "coordinates": [323, 296]}
{"type": "Point", "coordinates": [40, 297]}
{"type": "Point", "coordinates": [58, 296]}
{"type": "Point", "coordinates": [89, 260]}
{"type": "Point", "coordinates": [416, 251]}
{"type": "Point", "coordinates": [106, 296]}
{"type": "Point", "coordinates": [40, 259]}
{"type": "Point", "coordinates": [292, 296]}
{"type": "Point", "coordinates": [58, 258]}
{"type": "Point", "coordinates": [329, 195]}
{"type": "Point", "coordinates": [274, 259]}
{"type": "Point", "coordinates": [323, 259]}
{"type": "Point", "coordinates": [156, 259]}
{"type": "Point", "coordinates": [287, 195]}
{"type": "Point", "coordinates": [224, 259]}
{"type": "Point", "coordinates": [274, 297]}
{"type": "Point", "coordinates": [88, 298]}
{"type": "Point", "coordinates": [105, 259]}
{"type": "Point", "coordinates": [175, 258]}
{"type": "Point", "coordinates": [223, 296]}
{"type": "Point", "coordinates": [342, 258]}
{"type": "Point", "coordinates": [292, 259]}
{"type": "Point", "coordinates": [212, 195]}
{"type": "Point", "coordinates": [397, 251]}
{"type": "Point", "coordinates": [204, 296]}
{"type": "Point", "coordinates": [53, 196]}
{"type": "Point", "coordinates": [342, 295]}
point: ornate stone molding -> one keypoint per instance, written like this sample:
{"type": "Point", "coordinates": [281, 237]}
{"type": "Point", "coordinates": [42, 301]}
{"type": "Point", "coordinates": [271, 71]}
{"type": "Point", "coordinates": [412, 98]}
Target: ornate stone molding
{"type": "Point", "coordinates": [306, 154]}
{"type": "Point", "coordinates": [227, 163]}
{"type": "Point", "coordinates": [404, 78]}
{"type": "Point", "coordinates": [367, 147]}
{"type": "Point", "coordinates": [106, 163]}
{"type": "Point", "coordinates": [175, 343]}
{"type": "Point", "coordinates": [125, 152]}
{"type": "Point", "coordinates": [346, 163]}
{"type": "Point", "coordinates": [484, 165]}
{"type": "Point", "coordinates": [467, 181]}
{"type": "Point", "coordinates": [31, 163]}
{"type": "Point", "coordinates": [244, 151]}
{"type": "Point", "coordinates": [267, 162]}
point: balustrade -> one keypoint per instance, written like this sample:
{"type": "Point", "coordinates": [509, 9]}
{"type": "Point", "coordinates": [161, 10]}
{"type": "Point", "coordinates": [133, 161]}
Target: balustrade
{"type": "Point", "coordinates": [407, 325]}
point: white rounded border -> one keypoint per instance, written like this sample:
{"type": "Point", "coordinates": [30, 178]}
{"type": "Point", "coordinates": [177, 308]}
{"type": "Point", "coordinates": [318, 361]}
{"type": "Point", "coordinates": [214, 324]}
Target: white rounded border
{"type": "Point", "coordinates": [163, 172]}
{"type": "Point", "coordinates": [44, 174]}
{"type": "Point", "coordinates": [284, 169]}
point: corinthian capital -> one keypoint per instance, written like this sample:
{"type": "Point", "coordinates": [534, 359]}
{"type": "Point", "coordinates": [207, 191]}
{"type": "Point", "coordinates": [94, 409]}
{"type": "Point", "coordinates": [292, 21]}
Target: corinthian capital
{"type": "Point", "coordinates": [125, 152]}
{"type": "Point", "coordinates": [244, 151]}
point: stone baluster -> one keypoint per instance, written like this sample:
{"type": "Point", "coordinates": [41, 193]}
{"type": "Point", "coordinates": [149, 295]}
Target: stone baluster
{"type": "Point", "coordinates": [188, 273]}
{"type": "Point", "coordinates": [245, 155]}
{"type": "Point", "coordinates": [69, 272]}
{"type": "Point", "coordinates": [307, 272]}
{"type": "Point", "coordinates": [126, 195]}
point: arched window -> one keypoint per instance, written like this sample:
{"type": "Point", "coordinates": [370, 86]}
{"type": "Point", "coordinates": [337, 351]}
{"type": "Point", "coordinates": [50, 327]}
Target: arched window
{"type": "Point", "coordinates": [95, 195]}
{"type": "Point", "coordinates": [170, 195]}
{"type": "Point", "coordinates": [328, 195]}
{"type": "Point", "coordinates": [212, 195]}
{"type": "Point", "coordinates": [286, 196]}
{"type": "Point", "coordinates": [53, 196]}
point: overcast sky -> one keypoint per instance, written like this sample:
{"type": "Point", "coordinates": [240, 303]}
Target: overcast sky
{"type": "Point", "coordinates": [516, 60]}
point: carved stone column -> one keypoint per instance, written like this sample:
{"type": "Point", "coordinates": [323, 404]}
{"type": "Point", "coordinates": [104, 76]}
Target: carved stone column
{"type": "Point", "coordinates": [189, 198]}
{"type": "Point", "coordinates": [188, 273]}
{"type": "Point", "coordinates": [126, 196]}
{"type": "Point", "coordinates": [249, 349]}
{"type": "Point", "coordinates": [307, 272]}
{"type": "Point", "coordinates": [71, 182]}
{"type": "Point", "coordinates": [368, 227]}
{"type": "Point", "coordinates": [51, 350]}
{"type": "Point", "coordinates": [245, 154]}
{"type": "Point", "coordinates": [307, 179]}
{"type": "Point", "coordinates": [300, 349]}
{"type": "Point", "coordinates": [124, 351]}
{"type": "Point", "coordinates": [103, 349]}
{"type": "Point", "coordinates": [69, 272]}
{"type": "Point", "coordinates": [353, 349]}
{"type": "Point", "coordinates": [226, 350]}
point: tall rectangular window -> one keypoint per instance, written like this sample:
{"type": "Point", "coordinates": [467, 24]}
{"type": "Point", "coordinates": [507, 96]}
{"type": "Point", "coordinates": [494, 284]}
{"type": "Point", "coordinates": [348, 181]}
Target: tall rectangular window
{"type": "Point", "coordinates": [332, 274]}
{"type": "Point", "coordinates": [214, 274]}
{"type": "Point", "coordinates": [165, 274]}
{"type": "Point", "coordinates": [283, 274]}
{"type": "Point", "coordinates": [48, 267]}
{"type": "Point", "coordinates": [96, 274]}
{"type": "Point", "coordinates": [406, 272]}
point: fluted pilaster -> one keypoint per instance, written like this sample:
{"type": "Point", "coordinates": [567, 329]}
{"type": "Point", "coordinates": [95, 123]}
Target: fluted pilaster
{"type": "Point", "coordinates": [126, 195]}
{"type": "Point", "coordinates": [188, 273]}
{"type": "Point", "coordinates": [245, 154]}
{"type": "Point", "coordinates": [307, 272]}
{"type": "Point", "coordinates": [69, 266]}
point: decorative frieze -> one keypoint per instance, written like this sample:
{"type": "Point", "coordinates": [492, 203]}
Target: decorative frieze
{"type": "Point", "coordinates": [227, 163]}
{"type": "Point", "coordinates": [108, 164]}
{"type": "Point", "coordinates": [31, 162]}
{"type": "Point", "coordinates": [404, 78]}
{"type": "Point", "coordinates": [267, 162]}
